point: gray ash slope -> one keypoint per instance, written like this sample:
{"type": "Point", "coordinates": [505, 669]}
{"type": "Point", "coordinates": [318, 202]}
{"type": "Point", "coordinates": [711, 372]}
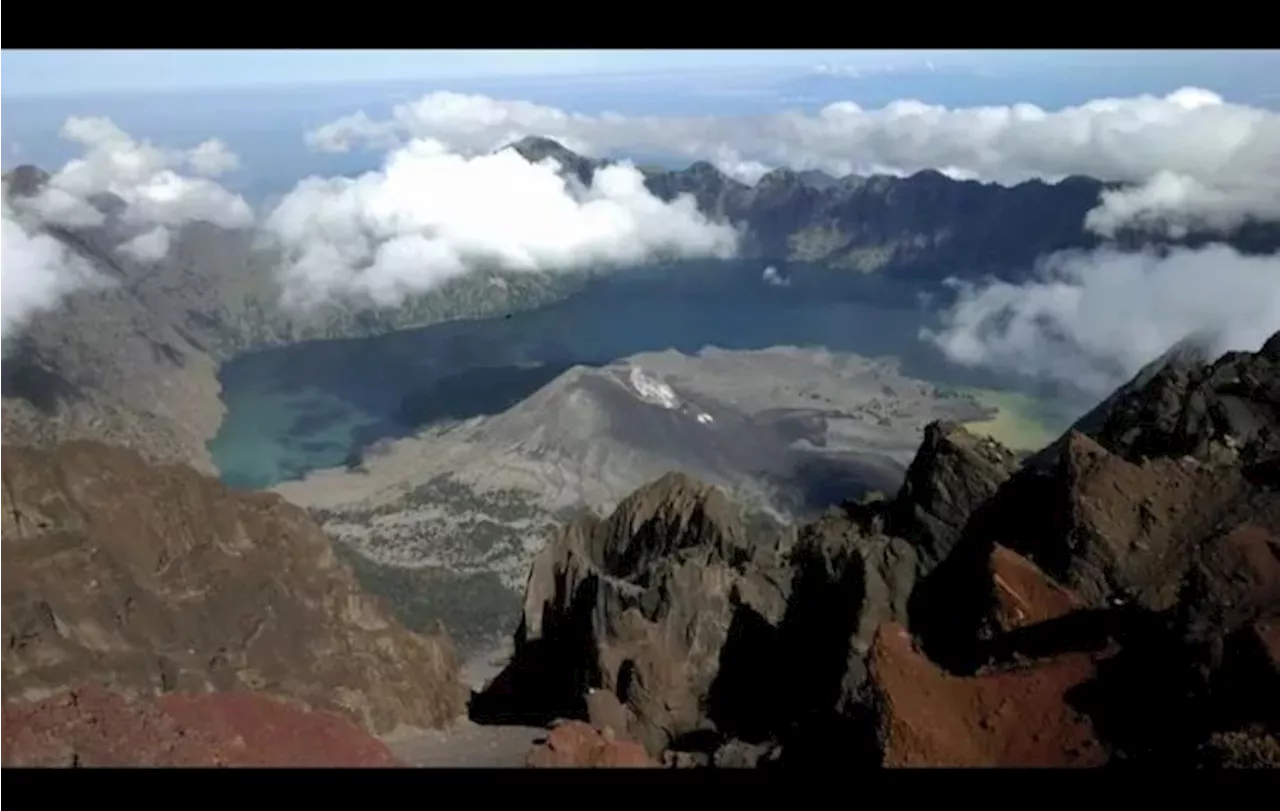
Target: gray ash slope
{"type": "Point", "coordinates": [786, 431]}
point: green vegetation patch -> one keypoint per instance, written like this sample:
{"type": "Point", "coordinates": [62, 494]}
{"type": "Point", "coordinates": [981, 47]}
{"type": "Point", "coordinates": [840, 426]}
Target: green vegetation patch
{"type": "Point", "coordinates": [1021, 422]}
{"type": "Point", "coordinates": [474, 607]}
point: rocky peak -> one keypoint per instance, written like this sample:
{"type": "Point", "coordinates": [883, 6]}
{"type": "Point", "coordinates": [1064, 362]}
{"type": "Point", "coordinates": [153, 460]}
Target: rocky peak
{"type": "Point", "coordinates": [25, 180]}
{"type": "Point", "coordinates": [535, 148]}
{"type": "Point", "coordinates": [1183, 358]}
{"type": "Point", "coordinates": [779, 179]}
{"type": "Point", "coordinates": [953, 474]}
{"type": "Point", "coordinates": [673, 515]}
{"type": "Point", "coordinates": [1190, 409]}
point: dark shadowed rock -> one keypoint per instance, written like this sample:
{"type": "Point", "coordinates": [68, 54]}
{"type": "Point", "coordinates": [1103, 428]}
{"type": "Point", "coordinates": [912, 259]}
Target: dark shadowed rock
{"type": "Point", "coordinates": [536, 150]}
{"type": "Point", "coordinates": [1184, 403]}
{"type": "Point", "coordinates": [848, 580]}
{"type": "Point", "coordinates": [1115, 531]}
{"type": "Point", "coordinates": [1252, 748]}
{"type": "Point", "coordinates": [953, 474]}
{"type": "Point", "coordinates": [641, 605]}
{"type": "Point", "coordinates": [158, 579]}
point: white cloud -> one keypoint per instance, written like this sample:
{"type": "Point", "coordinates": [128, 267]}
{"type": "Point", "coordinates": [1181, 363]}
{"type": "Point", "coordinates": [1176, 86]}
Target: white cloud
{"type": "Point", "coordinates": [1093, 320]}
{"type": "Point", "coordinates": [36, 271]}
{"type": "Point", "coordinates": [772, 277]}
{"type": "Point", "coordinates": [1192, 156]}
{"type": "Point", "coordinates": [212, 158]}
{"type": "Point", "coordinates": [39, 269]}
{"type": "Point", "coordinates": [431, 214]}
{"type": "Point", "coordinates": [145, 177]}
{"type": "Point", "coordinates": [149, 246]}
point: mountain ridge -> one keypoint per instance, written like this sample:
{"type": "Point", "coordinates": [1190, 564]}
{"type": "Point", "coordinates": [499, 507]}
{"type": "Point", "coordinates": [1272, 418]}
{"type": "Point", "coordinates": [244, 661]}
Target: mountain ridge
{"type": "Point", "coordinates": [991, 613]}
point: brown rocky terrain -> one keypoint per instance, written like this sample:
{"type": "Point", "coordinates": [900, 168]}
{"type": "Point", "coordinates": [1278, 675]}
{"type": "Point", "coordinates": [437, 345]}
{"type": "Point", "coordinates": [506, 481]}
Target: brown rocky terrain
{"type": "Point", "coordinates": [1114, 599]}
{"type": "Point", "coordinates": [158, 581]}
{"type": "Point", "coordinates": [93, 726]}
{"type": "Point", "coordinates": [573, 744]}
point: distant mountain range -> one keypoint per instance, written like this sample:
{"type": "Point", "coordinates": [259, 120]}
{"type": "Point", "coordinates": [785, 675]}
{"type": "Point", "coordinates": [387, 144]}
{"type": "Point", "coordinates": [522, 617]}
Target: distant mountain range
{"type": "Point", "coordinates": [922, 228]}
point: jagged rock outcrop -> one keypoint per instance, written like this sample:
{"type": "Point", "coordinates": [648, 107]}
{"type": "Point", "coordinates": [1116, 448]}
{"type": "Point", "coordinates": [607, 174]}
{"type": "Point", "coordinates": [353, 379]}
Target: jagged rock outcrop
{"type": "Point", "coordinates": [667, 610]}
{"type": "Point", "coordinates": [953, 474]}
{"type": "Point", "coordinates": [92, 726]}
{"type": "Point", "coordinates": [1022, 595]}
{"type": "Point", "coordinates": [157, 579]}
{"type": "Point", "coordinates": [1114, 599]}
{"type": "Point", "coordinates": [641, 605]}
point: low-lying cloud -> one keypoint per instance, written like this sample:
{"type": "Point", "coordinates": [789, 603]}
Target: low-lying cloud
{"type": "Point", "coordinates": [1190, 158]}
{"type": "Point", "coordinates": [431, 214]}
{"type": "Point", "coordinates": [36, 271]}
{"type": "Point", "coordinates": [150, 190]}
{"type": "Point", "coordinates": [1093, 320]}
{"type": "Point", "coordinates": [154, 187]}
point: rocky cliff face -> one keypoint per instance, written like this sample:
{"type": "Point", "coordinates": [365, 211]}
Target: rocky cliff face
{"type": "Point", "coordinates": [157, 580]}
{"type": "Point", "coordinates": [1114, 600]}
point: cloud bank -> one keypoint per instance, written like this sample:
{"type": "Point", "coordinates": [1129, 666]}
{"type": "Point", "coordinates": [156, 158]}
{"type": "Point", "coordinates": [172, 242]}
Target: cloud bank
{"type": "Point", "coordinates": [142, 177]}
{"type": "Point", "coordinates": [444, 204]}
{"type": "Point", "coordinates": [1188, 158]}
{"type": "Point", "coordinates": [150, 190]}
{"type": "Point", "coordinates": [431, 214]}
{"type": "Point", "coordinates": [36, 271]}
{"type": "Point", "coordinates": [1092, 320]}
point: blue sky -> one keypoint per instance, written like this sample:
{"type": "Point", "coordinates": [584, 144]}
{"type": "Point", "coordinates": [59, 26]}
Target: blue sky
{"type": "Point", "coordinates": [35, 73]}
{"type": "Point", "coordinates": [268, 99]}
{"type": "Point", "coordinates": [85, 71]}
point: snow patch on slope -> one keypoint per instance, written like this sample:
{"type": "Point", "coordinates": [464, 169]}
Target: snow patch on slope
{"type": "Point", "coordinates": [652, 390]}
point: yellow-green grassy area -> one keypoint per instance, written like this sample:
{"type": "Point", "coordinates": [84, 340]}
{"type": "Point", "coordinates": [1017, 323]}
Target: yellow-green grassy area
{"type": "Point", "coordinates": [1019, 422]}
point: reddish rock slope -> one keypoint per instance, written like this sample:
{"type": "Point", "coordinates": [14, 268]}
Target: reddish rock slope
{"type": "Point", "coordinates": [158, 579]}
{"type": "Point", "coordinates": [1016, 717]}
{"type": "Point", "coordinates": [573, 744]}
{"type": "Point", "coordinates": [92, 726]}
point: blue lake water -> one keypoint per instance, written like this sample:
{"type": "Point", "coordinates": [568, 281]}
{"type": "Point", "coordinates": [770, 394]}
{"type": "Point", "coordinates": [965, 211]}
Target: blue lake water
{"type": "Point", "coordinates": [311, 405]}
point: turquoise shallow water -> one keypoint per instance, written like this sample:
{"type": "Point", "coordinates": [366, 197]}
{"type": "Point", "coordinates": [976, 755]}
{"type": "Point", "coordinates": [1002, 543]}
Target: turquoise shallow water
{"type": "Point", "coordinates": [314, 405]}
{"type": "Point", "coordinates": [272, 435]}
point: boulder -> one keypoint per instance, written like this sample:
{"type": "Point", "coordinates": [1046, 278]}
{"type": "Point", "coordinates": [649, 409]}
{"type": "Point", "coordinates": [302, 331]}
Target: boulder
{"type": "Point", "coordinates": [573, 744]}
